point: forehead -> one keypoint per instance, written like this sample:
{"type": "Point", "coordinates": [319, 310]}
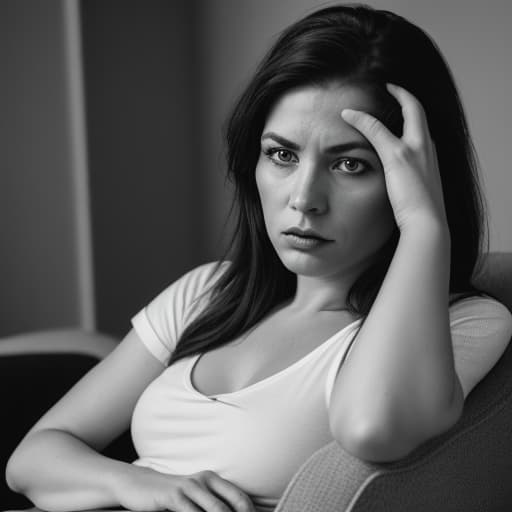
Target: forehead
{"type": "Point", "coordinates": [317, 108]}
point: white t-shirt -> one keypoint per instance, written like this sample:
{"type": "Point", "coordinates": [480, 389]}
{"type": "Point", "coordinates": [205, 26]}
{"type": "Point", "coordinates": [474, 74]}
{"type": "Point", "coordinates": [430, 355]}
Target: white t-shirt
{"type": "Point", "coordinates": [259, 436]}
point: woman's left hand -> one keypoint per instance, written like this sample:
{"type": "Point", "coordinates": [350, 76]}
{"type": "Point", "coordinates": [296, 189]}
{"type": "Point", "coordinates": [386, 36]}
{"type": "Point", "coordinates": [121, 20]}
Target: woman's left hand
{"type": "Point", "coordinates": [410, 163]}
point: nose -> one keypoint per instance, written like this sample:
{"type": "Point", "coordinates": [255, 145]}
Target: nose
{"type": "Point", "coordinates": [308, 190]}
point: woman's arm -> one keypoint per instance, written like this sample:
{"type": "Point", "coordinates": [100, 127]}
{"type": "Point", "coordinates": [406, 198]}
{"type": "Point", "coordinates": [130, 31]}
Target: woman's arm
{"type": "Point", "coordinates": [398, 387]}
{"type": "Point", "coordinates": [57, 464]}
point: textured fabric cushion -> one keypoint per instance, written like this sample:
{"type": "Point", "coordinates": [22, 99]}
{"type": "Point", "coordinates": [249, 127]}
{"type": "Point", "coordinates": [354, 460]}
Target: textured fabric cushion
{"type": "Point", "coordinates": [463, 469]}
{"type": "Point", "coordinates": [468, 468]}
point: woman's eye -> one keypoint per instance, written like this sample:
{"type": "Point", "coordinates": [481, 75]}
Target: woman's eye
{"type": "Point", "coordinates": [352, 165]}
{"type": "Point", "coordinates": [280, 156]}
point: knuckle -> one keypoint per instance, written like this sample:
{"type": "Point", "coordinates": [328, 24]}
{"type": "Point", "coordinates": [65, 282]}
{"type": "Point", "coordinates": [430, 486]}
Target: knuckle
{"type": "Point", "coordinates": [422, 144]}
{"type": "Point", "coordinates": [191, 486]}
{"type": "Point", "coordinates": [244, 504]}
{"type": "Point", "coordinates": [402, 152]}
{"type": "Point", "coordinates": [372, 125]}
{"type": "Point", "coordinates": [179, 498]}
{"type": "Point", "coordinates": [206, 476]}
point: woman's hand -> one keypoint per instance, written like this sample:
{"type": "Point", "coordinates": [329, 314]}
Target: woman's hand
{"type": "Point", "coordinates": [410, 163]}
{"type": "Point", "coordinates": [147, 490]}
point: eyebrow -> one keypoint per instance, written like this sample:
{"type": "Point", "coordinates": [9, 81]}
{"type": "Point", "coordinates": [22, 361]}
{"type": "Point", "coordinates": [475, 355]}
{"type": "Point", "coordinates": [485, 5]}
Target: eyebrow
{"type": "Point", "coordinates": [337, 148]}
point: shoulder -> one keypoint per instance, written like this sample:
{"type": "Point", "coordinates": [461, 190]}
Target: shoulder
{"type": "Point", "coordinates": [160, 323]}
{"type": "Point", "coordinates": [480, 318]}
{"type": "Point", "coordinates": [478, 306]}
{"type": "Point", "coordinates": [481, 329]}
{"type": "Point", "coordinates": [184, 291]}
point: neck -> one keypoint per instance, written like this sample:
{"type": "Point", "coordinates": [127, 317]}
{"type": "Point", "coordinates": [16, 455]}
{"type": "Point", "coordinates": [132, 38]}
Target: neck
{"type": "Point", "coordinates": [318, 294]}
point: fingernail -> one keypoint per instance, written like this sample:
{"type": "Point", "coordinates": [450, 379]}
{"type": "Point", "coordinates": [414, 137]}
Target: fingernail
{"type": "Point", "coordinates": [390, 87]}
{"type": "Point", "coordinates": [348, 113]}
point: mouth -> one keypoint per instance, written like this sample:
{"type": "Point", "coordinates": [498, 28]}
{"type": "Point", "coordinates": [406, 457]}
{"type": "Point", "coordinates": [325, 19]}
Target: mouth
{"type": "Point", "coordinates": [306, 234]}
{"type": "Point", "coordinates": [305, 242]}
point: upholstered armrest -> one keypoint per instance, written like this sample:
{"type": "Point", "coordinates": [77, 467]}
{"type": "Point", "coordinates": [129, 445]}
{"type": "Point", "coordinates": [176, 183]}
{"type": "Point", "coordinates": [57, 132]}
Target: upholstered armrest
{"type": "Point", "coordinates": [467, 468]}
{"type": "Point", "coordinates": [326, 482]}
{"type": "Point", "coordinates": [463, 469]}
{"type": "Point", "coordinates": [55, 341]}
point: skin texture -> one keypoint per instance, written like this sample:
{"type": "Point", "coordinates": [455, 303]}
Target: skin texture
{"type": "Point", "coordinates": [398, 386]}
{"type": "Point", "coordinates": [58, 467]}
{"type": "Point", "coordinates": [341, 195]}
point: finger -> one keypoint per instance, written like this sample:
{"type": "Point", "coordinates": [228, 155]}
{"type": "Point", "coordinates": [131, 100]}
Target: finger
{"type": "Point", "coordinates": [183, 503]}
{"type": "Point", "coordinates": [415, 121]}
{"type": "Point", "coordinates": [200, 494]}
{"type": "Point", "coordinates": [375, 131]}
{"type": "Point", "coordinates": [231, 493]}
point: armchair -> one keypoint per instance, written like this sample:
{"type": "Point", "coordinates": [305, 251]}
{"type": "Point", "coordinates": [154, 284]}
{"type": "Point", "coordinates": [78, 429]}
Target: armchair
{"type": "Point", "coordinates": [36, 369]}
{"type": "Point", "coordinates": [466, 469]}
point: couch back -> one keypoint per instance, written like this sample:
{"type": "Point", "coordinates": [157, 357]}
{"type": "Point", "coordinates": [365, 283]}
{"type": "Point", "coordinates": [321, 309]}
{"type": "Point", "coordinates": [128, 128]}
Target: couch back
{"type": "Point", "coordinates": [466, 467]}
{"type": "Point", "coordinates": [496, 277]}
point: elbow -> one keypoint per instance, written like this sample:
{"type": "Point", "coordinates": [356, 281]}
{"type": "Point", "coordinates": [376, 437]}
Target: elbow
{"type": "Point", "coordinates": [16, 479]}
{"type": "Point", "coordinates": [19, 470]}
{"type": "Point", "coordinates": [382, 443]}
{"type": "Point", "coordinates": [396, 437]}
{"type": "Point", "coordinates": [374, 444]}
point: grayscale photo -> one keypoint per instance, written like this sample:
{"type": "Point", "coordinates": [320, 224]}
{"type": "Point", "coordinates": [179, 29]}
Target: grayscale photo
{"type": "Point", "coordinates": [256, 256]}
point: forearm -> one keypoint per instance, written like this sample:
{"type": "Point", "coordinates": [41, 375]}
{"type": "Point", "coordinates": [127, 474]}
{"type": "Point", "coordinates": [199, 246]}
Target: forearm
{"type": "Point", "coordinates": [400, 376]}
{"type": "Point", "coordinates": [58, 472]}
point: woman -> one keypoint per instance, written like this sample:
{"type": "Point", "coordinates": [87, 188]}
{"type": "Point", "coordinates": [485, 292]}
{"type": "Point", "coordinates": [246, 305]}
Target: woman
{"type": "Point", "coordinates": [343, 309]}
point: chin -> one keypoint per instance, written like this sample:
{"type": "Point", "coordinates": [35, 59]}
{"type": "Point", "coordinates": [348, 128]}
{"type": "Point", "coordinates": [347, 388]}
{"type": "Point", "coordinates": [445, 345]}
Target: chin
{"type": "Point", "coordinates": [305, 263]}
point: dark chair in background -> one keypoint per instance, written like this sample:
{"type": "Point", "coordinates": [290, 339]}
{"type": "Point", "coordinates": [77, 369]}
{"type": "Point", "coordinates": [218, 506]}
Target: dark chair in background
{"type": "Point", "coordinates": [36, 369]}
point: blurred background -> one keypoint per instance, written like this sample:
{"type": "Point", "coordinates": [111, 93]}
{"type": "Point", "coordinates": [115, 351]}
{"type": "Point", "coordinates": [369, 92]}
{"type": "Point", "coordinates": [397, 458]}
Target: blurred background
{"type": "Point", "coordinates": [111, 156]}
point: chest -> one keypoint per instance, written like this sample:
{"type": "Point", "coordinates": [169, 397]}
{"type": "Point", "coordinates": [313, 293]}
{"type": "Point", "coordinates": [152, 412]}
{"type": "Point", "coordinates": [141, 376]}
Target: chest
{"type": "Point", "coordinates": [270, 347]}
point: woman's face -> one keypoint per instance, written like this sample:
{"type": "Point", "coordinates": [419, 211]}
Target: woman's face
{"type": "Point", "coordinates": [317, 172]}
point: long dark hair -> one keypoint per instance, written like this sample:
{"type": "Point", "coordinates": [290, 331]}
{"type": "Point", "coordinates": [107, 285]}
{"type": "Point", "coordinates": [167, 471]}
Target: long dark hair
{"type": "Point", "coordinates": [367, 47]}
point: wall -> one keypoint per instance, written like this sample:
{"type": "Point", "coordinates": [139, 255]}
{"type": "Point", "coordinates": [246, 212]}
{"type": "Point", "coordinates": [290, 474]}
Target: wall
{"type": "Point", "coordinates": [160, 78]}
{"type": "Point", "coordinates": [146, 185]}
{"type": "Point", "coordinates": [39, 275]}
{"type": "Point", "coordinates": [474, 36]}
{"type": "Point", "coordinates": [137, 171]}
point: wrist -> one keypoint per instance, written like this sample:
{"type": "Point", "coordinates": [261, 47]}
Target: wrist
{"type": "Point", "coordinates": [120, 479]}
{"type": "Point", "coordinates": [427, 228]}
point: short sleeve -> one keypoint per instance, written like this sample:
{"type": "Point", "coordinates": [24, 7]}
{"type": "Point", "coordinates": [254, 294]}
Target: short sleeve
{"type": "Point", "coordinates": [160, 324]}
{"type": "Point", "coordinates": [481, 329]}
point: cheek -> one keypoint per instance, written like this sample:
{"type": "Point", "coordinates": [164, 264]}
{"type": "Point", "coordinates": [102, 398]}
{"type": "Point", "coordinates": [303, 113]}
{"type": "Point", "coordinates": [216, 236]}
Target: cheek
{"type": "Point", "coordinates": [264, 193]}
{"type": "Point", "coordinates": [261, 186]}
{"type": "Point", "coordinates": [267, 190]}
{"type": "Point", "coordinates": [372, 212]}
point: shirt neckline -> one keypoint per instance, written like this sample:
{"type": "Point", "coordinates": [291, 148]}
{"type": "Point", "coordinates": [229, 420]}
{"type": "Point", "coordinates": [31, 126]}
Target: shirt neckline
{"type": "Point", "coordinates": [190, 367]}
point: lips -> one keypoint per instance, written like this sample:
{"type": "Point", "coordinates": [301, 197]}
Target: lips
{"type": "Point", "coordinates": [307, 233]}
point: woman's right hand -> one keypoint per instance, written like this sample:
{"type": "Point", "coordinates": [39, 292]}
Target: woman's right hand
{"type": "Point", "coordinates": [147, 490]}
